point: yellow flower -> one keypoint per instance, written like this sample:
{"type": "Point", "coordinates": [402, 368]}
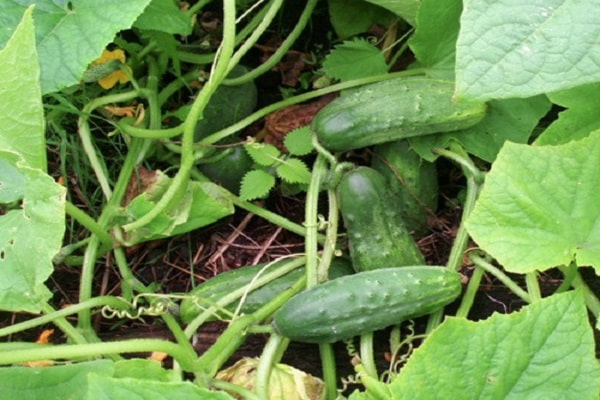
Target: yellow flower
{"type": "Point", "coordinates": [110, 80]}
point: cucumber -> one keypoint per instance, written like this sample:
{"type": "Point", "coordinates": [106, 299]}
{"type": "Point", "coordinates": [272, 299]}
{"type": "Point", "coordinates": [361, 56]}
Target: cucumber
{"type": "Point", "coordinates": [393, 109]}
{"type": "Point", "coordinates": [377, 233]}
{"type": "Point", "coordinates": [227, 105]}
{"type": "Point", "coordinates": [365, 302]}
{"type": "Point", "coordinates": [229, 170]}
{"type": "Point", "coordinates": [215, 288]}
{"type": "Point", "coordinates": [413, 180]}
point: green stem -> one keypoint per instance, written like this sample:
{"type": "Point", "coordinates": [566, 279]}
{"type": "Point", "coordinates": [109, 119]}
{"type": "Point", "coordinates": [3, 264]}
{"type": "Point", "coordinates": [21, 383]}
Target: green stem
{"type": "Point", "coordinates": [569, 273]}
{"type": "Point", "coordinates": [591, 301]}
{"type": "Point", "coordinates": [267, 18]}
{"type": "Point", "coordinates": [311, 223]}
{"type": "Point", "coordinates": [86, 136]}
{"type": "Point", "coordinates": [52, 315]}
{"type": "Point", "coordinates": [265, 365]}
{"type": "Point", "coordinates": [469, 296]}
{"type": "Point", "coordinates": [88, 222]}
{"type": "Point", "coordinates": [502, 277]}
{"type": "Point", "coordinates": [257, 282]}
{"type": "Point", "coordinates": [329, 369]}
{"type": "Point", "coordinates": [92, 350]}
{"type": "Point", "coordinates": [94, 249]}
{"type": "Point", "coordinates": [474, 181]}
{"type": "Point", "coordinates": [533, 286]}
{"type": "Point", "coordinates": [367, 358]}
{"type": "Point", "coordinates": [240, 391]}
{"type": "Point", "coordinates": [281, 50]}
{"type": "Point", "coordinates": [229, 341]}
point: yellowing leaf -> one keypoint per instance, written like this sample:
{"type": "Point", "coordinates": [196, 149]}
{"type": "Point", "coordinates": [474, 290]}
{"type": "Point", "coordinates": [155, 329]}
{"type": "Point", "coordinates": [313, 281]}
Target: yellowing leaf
{"type": "Point", "coordinates": [110, 80]}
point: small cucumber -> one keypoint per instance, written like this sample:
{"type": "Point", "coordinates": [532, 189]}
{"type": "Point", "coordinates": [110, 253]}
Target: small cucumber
{"type": "Point", "coordinates": [377, 233]}
{"type": "Point", "coordinates": [413, 180]}
{"type": "Point", "coordinates": [210, 291]}
{"type": "Point", "coordinates": [229, 170]}
{"type": "Point", "coordinates": [364, 302]}
{"type": "Point", "coordinates": [391, 110]}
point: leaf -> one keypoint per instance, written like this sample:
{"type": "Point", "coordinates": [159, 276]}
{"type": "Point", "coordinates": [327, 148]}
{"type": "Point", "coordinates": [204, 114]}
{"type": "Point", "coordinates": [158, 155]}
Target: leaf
{"type": "Point", "coordinates": [21, 111]}
{"type": "Point", "coordinates": [350, 17]}
{"type": "Point", "coordinates": [506, 120]}
{"type": "Point", "coordinates": [511, 48]}
{"type": "Point", "coordinates": [578, 120]}
{"type": "Point", "coordinates": [434, 40]}
{"type": "Point", "coordinates": [294, 170]}
{"type": "Point", "coordinates": [166, 17]}
{"type": "Point", "coordinates": [201, 205]}
{"type": "Point", "coordinates": [354, 59]}
{"type": "Point", "coordinates": [105, 387]}
{"type": "Point", "coordinates": [51, 383]}
{"type": "Point", "coordinates": [256, 184]}
{"type": "Point", "coordinates": [539, 206]}
{"type": "Point", "coordinates": [262, 153]}
{"type": "Point", "coordinates": [30, 235]}
{"type": "Point", "coordinates": [70, 34]}
{"type": "Point", "coordinates": [544, 351]}
{"type": "Point", "coordinates": [299, 141]}
{"type": "Point", "coordinates": [406, 9]}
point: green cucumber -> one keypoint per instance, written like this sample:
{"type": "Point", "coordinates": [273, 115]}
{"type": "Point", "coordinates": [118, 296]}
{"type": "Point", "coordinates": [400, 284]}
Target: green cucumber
{"type": "Point", "coordinates": [365, 302]}
{"type": "Point", "coordinates": [393, 109]}
{"type": "Point", "coordinates": [229, 170]}
{"type": "Point", "coordinates": [213, 289]}
{"type": "Point", "coordinates": [377, 233]}
{"type": "Point", "coordinates": [413, 180]}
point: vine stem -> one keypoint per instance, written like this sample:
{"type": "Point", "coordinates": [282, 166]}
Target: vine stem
{"type": "Point", "coordinates": [502, 277]}
{"type": "Point", "coordinates": [52, 315]}
{"type": "Point", "coordinates": [474, 181]}
{"type": "Point", "coordinates": [92, 350]}
{"type": "Point", "coordinates": [266, 363]}
{"type": "Point", "coordinates": [180, 180]}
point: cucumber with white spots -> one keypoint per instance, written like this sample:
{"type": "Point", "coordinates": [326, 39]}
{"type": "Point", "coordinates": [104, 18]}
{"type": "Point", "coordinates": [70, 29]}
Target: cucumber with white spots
{"type": "Point", "coordinates": [393, 109]}
{"type": "Point", "coordinates": [376, 231]}
{"type": "Point", "coordinates": [365, 302]}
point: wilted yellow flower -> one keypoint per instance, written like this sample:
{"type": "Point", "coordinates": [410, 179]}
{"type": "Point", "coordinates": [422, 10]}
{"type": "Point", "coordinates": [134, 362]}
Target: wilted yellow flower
{"type": "Point", "coordinates": [110, 80]}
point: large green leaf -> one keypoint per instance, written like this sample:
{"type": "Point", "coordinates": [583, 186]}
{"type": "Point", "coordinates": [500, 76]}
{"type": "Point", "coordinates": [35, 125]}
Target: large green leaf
{"type": "Point", "coordinates": [50, 383]}
{"type": "Point", "coordinates": [539, 206]}
{"type": "Point", "coordinates": [515, 48]}
{"type": "Point", "coordinates": [545, 351]}
{"type": "Point", "coordinates": [31, 203]}
{"type": "Point", "coordinates": [406, 9]}
{"type": "Point", "coordinates": [70, 33]}
{"type": "Point", "coordinates": [434, 40]}
{"type": "Point", "coordinates": [21, 113]}
{"type": "Point", "coordinates": [31, 232]}
{"type": "Point", "coordinates": [164, 16]}
{"type": "Point", "coordinates": [580, 117]}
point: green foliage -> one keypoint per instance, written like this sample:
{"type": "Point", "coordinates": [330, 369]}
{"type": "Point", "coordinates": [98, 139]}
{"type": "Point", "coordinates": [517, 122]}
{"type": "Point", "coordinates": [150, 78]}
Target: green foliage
{"type": "Point", "coordinates": [258, 182]}
{"type": "Point", "coordinates": [32, 204]}
{"type": "Point", "coordinates": [299, 141]}
{"type": "Point", "coordinates": [354, 59]}
{"type": "Point", "coordinates": [539, 206]}
{"type": "Point", "coordinates": [57, 24]}
{"type": "Point", "coordinates": [546, 46]}
{"type": "Point", "coordinates": [351, 17]}
{"type": "Point", "coordinates": [164, 16]}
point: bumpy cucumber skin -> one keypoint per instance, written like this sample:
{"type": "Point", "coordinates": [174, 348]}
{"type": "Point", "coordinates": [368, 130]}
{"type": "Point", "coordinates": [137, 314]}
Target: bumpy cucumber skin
{"type": "Point", "coordinates": [365, 302]}
{"type": "Point", "coordinates": [224, 283]}
{"type": "Point", "coordinates": [391, 110]}
{"type": "Point", "coordinates": [377, 234]}
{"type": "Point", "coordinates": [413, 180]}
